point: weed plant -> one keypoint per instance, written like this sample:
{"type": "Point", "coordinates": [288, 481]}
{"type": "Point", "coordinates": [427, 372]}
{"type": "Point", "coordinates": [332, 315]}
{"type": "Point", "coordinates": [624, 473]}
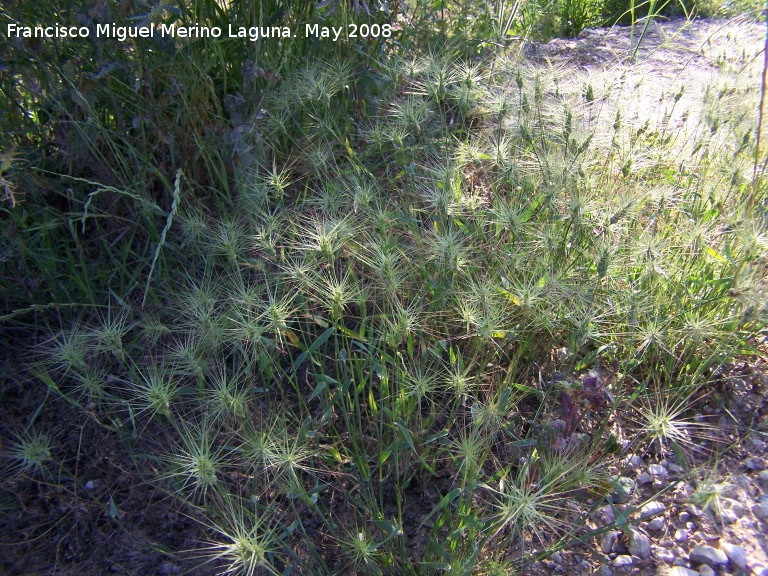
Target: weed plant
{"type": "Point", "coordinates": [399, 298]}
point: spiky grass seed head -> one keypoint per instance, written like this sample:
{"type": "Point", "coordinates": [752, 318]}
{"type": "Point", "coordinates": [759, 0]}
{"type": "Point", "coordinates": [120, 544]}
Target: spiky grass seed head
{"type": "Point", "coordinates": [31, 451]}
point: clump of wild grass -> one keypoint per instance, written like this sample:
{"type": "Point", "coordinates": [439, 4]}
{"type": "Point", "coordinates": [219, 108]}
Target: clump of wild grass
{"type": "Point", "coordinates": [382, 304]}
{"type": "Point", "coordinates": [30, 451]}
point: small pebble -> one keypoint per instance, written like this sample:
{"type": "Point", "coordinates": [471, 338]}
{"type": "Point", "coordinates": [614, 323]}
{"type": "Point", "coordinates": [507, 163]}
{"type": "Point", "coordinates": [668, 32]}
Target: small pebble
{"type": "Point", "coordinates": [623, 489]}
{"type": "Point", "coordinates": [761, 509]}
{"type": "Point", "coordinates": [168, 568]}
{"type": "Point", "coordinates": [756, 464]}
{"type": "Point", "coordinates": [681, 535]}
{"type": "Point", "coordinates": [738, 509]}
{"type": "Point", "coordinates": [693, 510]}
{"type": "Point", "coordinates": [763, 476]}
{"type": "Point", "coordinates": [756, 442]}
{"type": "Point", "coordinates": [605, 570]}
{"type": "Point", "coordinates": [683, 517]}
{"type": "Point", "coordinates": [699, 536]}
{"type": "Point", "coordinates": [684, 491]}
{"type": "Point", "coordinates": [675, 468]}
{"type": "Point", "coordinates": [606, 544]}
{"type": "Point", "coordinates": [742, 481]}
{"type": "Point", "coordinates": [656, 524]}
{"type": "Point", "coordinates": [667, 556]}
{"type": "Point", "coordinates": [652, 509]}
{"type": "Point", "coordinates": [682, 571]}
{"type": "Point", "coordinates": [644, 478]}
{"type": "Point", "coordinates": [622, 560]}
{"type": "Point", "coordinates": [605, 515]}
{"type": "Point", "coordinates": [727, 516]}
{"type": "Point", "coordinates": [658, 470]}
{"type": "Point", "coordinates": [736, 554]}
{"type": "Point", "coordinates": [666, 542]}
{"type": "Point", "coordinates": [706, 571]}
{"type": "Point", "coordinates": [91, 485]}
{"type": "Point", "coordinates": [634, 462]}
{"type": "Point", "coordinates": [708, 555]}
{"type": "Point", "coordinates": [639, 545]}
{"type": "Point", "coordinates": [557, 557]}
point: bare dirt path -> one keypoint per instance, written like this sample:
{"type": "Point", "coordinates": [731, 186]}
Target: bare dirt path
{"type": "Point", "coordinates": [684, 76]}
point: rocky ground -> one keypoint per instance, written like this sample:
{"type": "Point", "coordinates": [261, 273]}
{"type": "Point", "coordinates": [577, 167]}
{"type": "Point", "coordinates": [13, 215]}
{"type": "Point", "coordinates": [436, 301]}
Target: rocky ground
{"type": "Point", "coordinates": [709, 519]}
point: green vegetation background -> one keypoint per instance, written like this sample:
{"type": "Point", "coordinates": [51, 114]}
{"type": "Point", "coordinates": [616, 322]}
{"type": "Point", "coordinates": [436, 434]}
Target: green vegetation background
{"type": "Point", "coordinates": [361, 267]}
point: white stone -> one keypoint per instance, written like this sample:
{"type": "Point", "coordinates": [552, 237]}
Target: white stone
{"type": "Point", "coordinates": [742, 481]}
{"type": "Point", "coordinates": [739, 509]}
{"type": "Point", "coordinates": [652, 509]}
{"type": "Point", "coordinates": [656, 524]}
{"type": "Point", "coordinates": [761, 508]}
{"type": "Point", "coordinates": [681, 535]}
{"type": "Point", "coordinates": [706, 571]}
{"type": "Point", "coordinates": [684, 491]}
{"type": "Point", "coordinates": [682, 571]}
{"type": "Point", "coordinates": [634, 462]}
{"type": "Point", "coordinates": [755, 464]}
{"type": "Point", "coordinates": [736, 554]}
{"type": "Point", "coordinates": [728, 516]}
{"type": "Point", "coordinates": [658, 470]}
{"type": "Point", "coordinates": [622, 560]}
{"type": "Point", "coordinates": [699, 536]}
{"type": "Point", "coordinates": [693, 510]}
{"type": "Point", "coordinates": [667, 556]}
{"type": "Point", "coordinates": [605, 515]}
{"type": "Point", "coordinates": [708, 555]}
{"type": "Point", "coordinates": [644, 478]}
{"type": "Point", "coordinates": [606, 544]}
{"type": "Point", "coordinates": [666, 542]}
